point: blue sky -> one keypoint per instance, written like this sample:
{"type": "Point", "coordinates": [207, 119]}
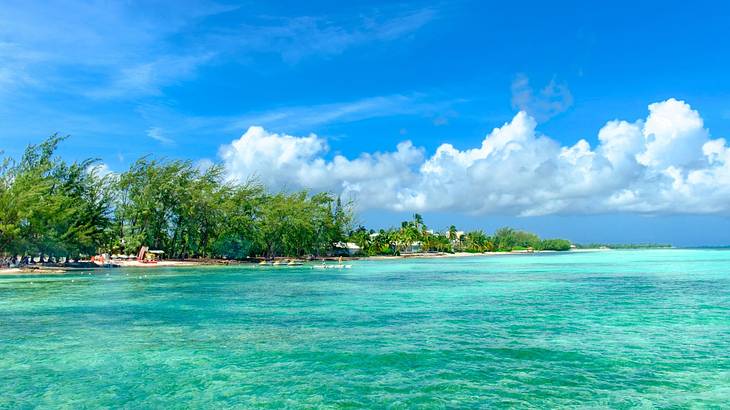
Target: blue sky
{"type": "Point", "coordinates": [188, 79]}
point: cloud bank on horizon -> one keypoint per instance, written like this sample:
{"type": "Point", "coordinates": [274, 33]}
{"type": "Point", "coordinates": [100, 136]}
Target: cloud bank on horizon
{"type": "Point", "coordinates": [664, 164]}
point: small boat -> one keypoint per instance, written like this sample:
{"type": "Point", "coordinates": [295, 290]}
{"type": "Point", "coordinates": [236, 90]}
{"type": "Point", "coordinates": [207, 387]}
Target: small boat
{"type": "Point", "coordinates": [264, 263]}
{"type": "Point", "coordinates": [324, 266]}
{"type": "Point", "coordinates": [294, 263]}
{"type": "Point", "coordinates": [279, 263]}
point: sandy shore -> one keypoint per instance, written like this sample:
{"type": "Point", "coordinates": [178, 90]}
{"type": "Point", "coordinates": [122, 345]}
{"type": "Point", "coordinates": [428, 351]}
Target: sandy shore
{"type": "Point", "coordinates": [421, 255]}
{"type": "Point", "coordinates": [52, 270]}
{"type": "Point", "coordinates": [27, 271]}
{"type": "Point", "coordinates": [467, 254]}
{"type": "Point", "coordinates": [59, 270]}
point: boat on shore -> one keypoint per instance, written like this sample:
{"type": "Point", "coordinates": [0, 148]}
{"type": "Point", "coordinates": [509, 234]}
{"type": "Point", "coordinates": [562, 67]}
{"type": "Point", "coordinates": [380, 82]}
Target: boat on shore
{"type": "Point", "coordinates": [284, 262]}
{"type": "Point", "coordinates": [325, 266]}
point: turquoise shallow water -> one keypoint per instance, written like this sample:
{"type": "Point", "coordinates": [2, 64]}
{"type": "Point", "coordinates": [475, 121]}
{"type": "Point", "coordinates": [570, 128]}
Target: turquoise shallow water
{"type": "Point", "coordinates": [603, 329]}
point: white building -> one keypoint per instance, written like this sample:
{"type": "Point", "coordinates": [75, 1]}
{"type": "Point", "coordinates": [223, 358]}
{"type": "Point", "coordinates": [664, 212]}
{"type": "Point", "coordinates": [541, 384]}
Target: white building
{"type": "Point", "coordinates": [346, 248]}
{"type": "Point", "coordinates": [414, 247]}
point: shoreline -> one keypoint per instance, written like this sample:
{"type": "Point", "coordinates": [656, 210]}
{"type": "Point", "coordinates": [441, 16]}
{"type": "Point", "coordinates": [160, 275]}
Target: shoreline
{"type": "Point", "coordinates": [62, 270]}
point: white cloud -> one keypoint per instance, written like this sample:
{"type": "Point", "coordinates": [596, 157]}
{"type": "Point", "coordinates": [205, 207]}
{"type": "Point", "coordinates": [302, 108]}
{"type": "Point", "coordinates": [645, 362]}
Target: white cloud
{"type": "Point", "coordinates": [550, 101]}
{"type": "Point", "coordinates": [666, 163]}
{"type": "Point", "coordinates": [308, 117]}
{"type": "Point", "coordinates": [98, 48]}
{"type": "Point", "coordinates": [204, 164]}
{"type": "Point", "coordinates": [124, 50]}
{"type": "Point", "coordinates": [149, 77]}
{"type": "Point", "coordinates": [297, 38]}
{"type": "Point", "coordinates": [294, 162]}
{"type": "Point", "coordinates": [157, 134]}
{"type": "Point", "coordinates": [674, 135]}
{"type": "Point", "coordinates": [100, 169]}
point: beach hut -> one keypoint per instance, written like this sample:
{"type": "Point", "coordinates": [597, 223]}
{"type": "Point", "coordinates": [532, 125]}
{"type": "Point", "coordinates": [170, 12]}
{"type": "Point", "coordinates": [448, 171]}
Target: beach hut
{"type": "Point", "coordinates": [149, 256]}
{"type": "Point", "coordinates": [155, 255]}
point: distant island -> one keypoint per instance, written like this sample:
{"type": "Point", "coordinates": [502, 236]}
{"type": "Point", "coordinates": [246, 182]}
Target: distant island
{"type": "Point", "coordinates": [52, 211]}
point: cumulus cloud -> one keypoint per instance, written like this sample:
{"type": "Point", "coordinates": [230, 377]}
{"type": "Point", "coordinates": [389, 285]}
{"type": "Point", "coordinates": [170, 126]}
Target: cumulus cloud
{"type": "Point", "coordinates": [665, 163]}
{"type": "Point", "coordinates": [296, 162]}
{"type": "Point", "coordinates": [100, 169]}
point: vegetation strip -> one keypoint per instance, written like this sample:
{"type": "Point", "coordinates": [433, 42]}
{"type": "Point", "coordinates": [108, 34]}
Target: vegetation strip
{"type": "Point", "coordinates": [53, 211]}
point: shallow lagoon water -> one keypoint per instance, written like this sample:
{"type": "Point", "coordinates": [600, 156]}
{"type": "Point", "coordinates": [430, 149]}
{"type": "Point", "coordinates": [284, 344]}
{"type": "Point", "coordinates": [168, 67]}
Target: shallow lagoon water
{"type": "Point", "coordinates": [595, 329]}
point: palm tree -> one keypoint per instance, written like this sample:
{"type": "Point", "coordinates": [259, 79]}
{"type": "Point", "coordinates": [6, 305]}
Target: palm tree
{"type": "Point", "coordinates": [417, 220]}
{"type": "Point", "coordinates": [452, 233]}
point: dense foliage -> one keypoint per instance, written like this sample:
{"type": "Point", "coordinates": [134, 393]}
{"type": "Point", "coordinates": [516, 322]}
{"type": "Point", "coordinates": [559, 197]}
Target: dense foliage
{"type": "Point", "coordinates": [53, 209]}
{"type": "Point", "coordinates": [415, 236]}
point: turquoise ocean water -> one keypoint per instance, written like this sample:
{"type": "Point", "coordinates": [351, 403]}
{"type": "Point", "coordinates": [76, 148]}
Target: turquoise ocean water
{"type": "Point", "coordinates": [612, 329]}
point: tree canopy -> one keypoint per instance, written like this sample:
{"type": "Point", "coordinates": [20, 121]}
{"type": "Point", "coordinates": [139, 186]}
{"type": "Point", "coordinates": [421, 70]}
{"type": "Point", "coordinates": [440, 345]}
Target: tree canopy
{"type": "Point", "coordinates": [51, 208]}
{"type": "Point", "coordinates": [414, 234]}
